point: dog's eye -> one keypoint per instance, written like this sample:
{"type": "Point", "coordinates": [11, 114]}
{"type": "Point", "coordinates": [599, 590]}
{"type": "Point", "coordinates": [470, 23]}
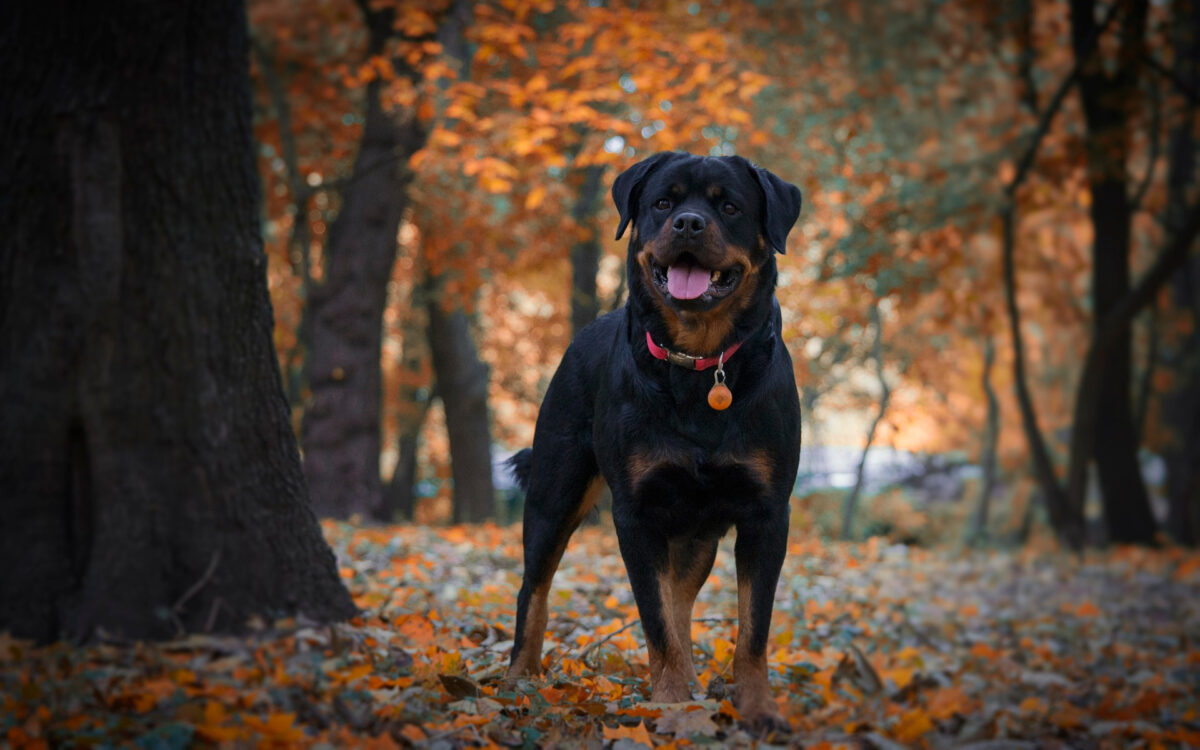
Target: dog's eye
{"type": "Point", "coordinates": [731, 209]}
{"type": "Point", "coordinates": [663, 204]}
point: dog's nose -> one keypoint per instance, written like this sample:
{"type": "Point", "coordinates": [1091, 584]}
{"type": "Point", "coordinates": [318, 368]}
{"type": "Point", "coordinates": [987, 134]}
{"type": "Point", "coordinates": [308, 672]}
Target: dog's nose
{"type": "Point", "coordinates": [689, 225]}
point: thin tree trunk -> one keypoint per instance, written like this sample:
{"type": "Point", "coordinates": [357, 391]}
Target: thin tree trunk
{"type": "Point", "coordinates": [1068, 526]}
{"type": "Point", "coordinates": [585, 255]}
{"type": "Point", "coordinates": [1113, 440]}
{"type": "Point", "coordinates": [462, 382]}
{"type": "Point", "coordinates": [850, 504]}
{"type": "Point", "coordinates": [341, 428]}
{"type": "Point", "coordinates": [462, 378]}
{"type": "Point", "coordinates": [1145, 387]}
{"type": "Point", "coordinates": [414, 398]}
{"type": "Point", "coordinates": [146, 456]}
{"type": "Point", "coordinates": [991, 438]}
{"type": "Point", "coordinates": [1067, 522]}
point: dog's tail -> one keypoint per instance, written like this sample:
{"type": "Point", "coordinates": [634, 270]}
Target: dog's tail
{"type": "Point", "coordinates": [519, 465]}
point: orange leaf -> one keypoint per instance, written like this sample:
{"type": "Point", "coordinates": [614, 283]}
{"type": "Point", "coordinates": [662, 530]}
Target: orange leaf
{"type": "Point", "coordinates": [1032, 705]}
{"type": "Point", "coordinates": [722, 649]}
{"type": "Point", "coordinates": [1087, 609]}
{"type": "Point", "coordinates": [535, 198]}
{"type": "Point", "coordinates": [912, 725]}
{"type": "Point", "coordinates": [984, 651]}
{"type": "Point", "coordinates": [1067, 716]}
{"type": "Point", "coordinates": [636, 733]}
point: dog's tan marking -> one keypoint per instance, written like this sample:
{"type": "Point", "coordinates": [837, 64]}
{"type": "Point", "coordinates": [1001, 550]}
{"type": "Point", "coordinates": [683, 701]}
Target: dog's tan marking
{"type": "Point", "coordinates": [590, 496]}
{"type": "Point", "coordinates": [752, 691]}
{"type": "Point", "coordinates": [528, 662]}
{"type": "Point", "coordinates": [643, 463]}
{"type": "Point", "coordinates": [714, 192]}
{"type": "Point", "coordinates": [671, 671]}
{"type": "Point", "coordinates": [761, 466]}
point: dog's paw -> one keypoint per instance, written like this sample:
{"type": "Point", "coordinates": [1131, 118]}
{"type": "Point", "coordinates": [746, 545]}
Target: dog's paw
{"type": "Point", "coordinates": [671, 692]}
{"type": "Point", "coordinates": [760, 714]}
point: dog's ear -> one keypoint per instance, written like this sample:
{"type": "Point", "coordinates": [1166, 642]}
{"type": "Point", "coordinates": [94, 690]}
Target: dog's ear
{"type": "Point", "coordinates": [626, 189]}
{"type": "Point", "coordinates": [781, 207]}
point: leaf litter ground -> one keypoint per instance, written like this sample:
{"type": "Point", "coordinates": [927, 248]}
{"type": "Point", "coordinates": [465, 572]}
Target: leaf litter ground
{"type": "Point", "coordinates": [873, 645]}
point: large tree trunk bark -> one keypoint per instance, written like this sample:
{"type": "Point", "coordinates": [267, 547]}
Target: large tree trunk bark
{"type": "Point", "coordinates": [341, 428]}
{"type": "Point", "coordinates": [462, 383]}
{"type": "Point", "coordinates": [1181, 406]}
{"type": "Point", "coordinates": [146, 457]}
{"type": "Point", "coordinates": [1106, 102]}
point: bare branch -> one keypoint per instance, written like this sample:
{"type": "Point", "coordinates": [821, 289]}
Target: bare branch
{"type": "Point", "coordinates": [1182, 86]}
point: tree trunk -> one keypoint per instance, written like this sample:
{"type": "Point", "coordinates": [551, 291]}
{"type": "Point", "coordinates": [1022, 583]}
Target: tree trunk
{"type": "Point", "coordinates": [585, 255]}
{"type": "Point", "coordinates": [850, 504]}
{"type": "Point", "coordinates": [413, 399]}
{"type": "Point", "coordinates": [1106, 104]}
{"type": "Point", "coordinates": [991, 438]}
{"type": "Point", "coordinates": [341, 428]}
{"type": "Point", "coordinates": [147, 463]}
{"type": "Point", "coordinates": [462, 383]}
{"type": "Point", "coordinates": [1181, 405]}
{"type": "Point", "coordinates": [1067, 523]}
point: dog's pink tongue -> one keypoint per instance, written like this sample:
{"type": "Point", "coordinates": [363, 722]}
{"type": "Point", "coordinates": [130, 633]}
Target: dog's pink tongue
{"type": "Point", "coordinates": [686, 282]}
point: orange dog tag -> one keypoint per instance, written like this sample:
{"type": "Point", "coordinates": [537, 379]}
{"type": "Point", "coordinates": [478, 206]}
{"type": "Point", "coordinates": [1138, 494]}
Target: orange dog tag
{"type": "Point", "coordinates": [719, 397]}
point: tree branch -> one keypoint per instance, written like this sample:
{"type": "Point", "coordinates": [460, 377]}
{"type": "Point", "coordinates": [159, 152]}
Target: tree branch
{"type": "Point", "coordinates": [1182, 86]}
{"type": "Point", "coordinates": [1056, 100]}
{"type": "Point", "coordinates": [1139, 195]}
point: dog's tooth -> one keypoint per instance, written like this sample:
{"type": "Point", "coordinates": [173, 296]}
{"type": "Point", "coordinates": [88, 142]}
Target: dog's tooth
{"type": "Point", "coordinates": [715, 277]}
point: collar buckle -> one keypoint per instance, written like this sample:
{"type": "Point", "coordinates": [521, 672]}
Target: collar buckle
{"type": "Point", "coordinates": [683, 360]}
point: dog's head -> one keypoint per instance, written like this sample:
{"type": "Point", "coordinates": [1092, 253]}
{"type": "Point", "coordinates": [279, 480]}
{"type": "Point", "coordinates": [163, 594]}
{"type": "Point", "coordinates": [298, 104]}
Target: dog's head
{"type": "Point", "coordinates": [705, 230]}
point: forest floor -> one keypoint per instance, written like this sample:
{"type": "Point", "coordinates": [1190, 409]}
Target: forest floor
{"type": "Point", "coordinates": [873, 645]}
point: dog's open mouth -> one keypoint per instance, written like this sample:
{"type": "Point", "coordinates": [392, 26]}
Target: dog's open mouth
{"type": "Point", "coordinates": [686, 279]}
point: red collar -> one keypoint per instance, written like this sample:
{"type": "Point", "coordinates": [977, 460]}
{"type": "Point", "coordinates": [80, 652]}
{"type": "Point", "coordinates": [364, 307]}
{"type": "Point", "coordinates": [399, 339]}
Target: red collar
{"type": "Point", "coordinates": [687, 360]}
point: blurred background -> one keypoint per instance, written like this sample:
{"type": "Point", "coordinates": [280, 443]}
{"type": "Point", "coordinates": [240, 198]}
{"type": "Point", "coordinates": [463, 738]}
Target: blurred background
{"type": "Point", "coordinates": [989, 299]}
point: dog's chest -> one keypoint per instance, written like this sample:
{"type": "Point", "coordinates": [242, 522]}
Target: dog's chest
{"type": "Point", "coordinates": [684, 488]}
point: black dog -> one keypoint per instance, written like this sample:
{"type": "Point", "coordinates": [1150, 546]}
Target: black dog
{"type": "Point", "coordinates": [642, 399]}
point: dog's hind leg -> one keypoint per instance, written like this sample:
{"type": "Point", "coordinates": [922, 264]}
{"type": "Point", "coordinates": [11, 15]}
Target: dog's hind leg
{"type": "Point", "coordinates": [561, 493]}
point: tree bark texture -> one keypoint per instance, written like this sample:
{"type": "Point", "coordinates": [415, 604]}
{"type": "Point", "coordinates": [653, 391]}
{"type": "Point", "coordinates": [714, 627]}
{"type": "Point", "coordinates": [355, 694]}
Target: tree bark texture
{"type": "Point", "coordinates": [462, 383]}
{"type": "Point", "coordinates": [1113, 443]}
{"type": "Point", "coordinates": [341, 426]}
{"type": "Point", "coordinates": [149, 478]}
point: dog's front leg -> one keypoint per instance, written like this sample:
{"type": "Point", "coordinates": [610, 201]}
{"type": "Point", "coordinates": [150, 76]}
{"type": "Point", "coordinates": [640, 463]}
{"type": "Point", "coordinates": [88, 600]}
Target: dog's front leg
{"type": "Point", "coordinates": [647, 561]}
{"type": "Point", "coordinates": [759, 551]}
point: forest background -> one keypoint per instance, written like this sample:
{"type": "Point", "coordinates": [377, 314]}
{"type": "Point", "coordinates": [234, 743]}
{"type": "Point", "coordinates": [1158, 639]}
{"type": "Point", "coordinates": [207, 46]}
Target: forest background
{"type": "Point", "coordinates": [988, 187]}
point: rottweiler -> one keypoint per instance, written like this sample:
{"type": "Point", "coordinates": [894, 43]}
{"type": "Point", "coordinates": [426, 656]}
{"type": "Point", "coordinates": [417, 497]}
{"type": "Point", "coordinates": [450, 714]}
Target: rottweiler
{"type": "Point", "coordinates": [684, 402]}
